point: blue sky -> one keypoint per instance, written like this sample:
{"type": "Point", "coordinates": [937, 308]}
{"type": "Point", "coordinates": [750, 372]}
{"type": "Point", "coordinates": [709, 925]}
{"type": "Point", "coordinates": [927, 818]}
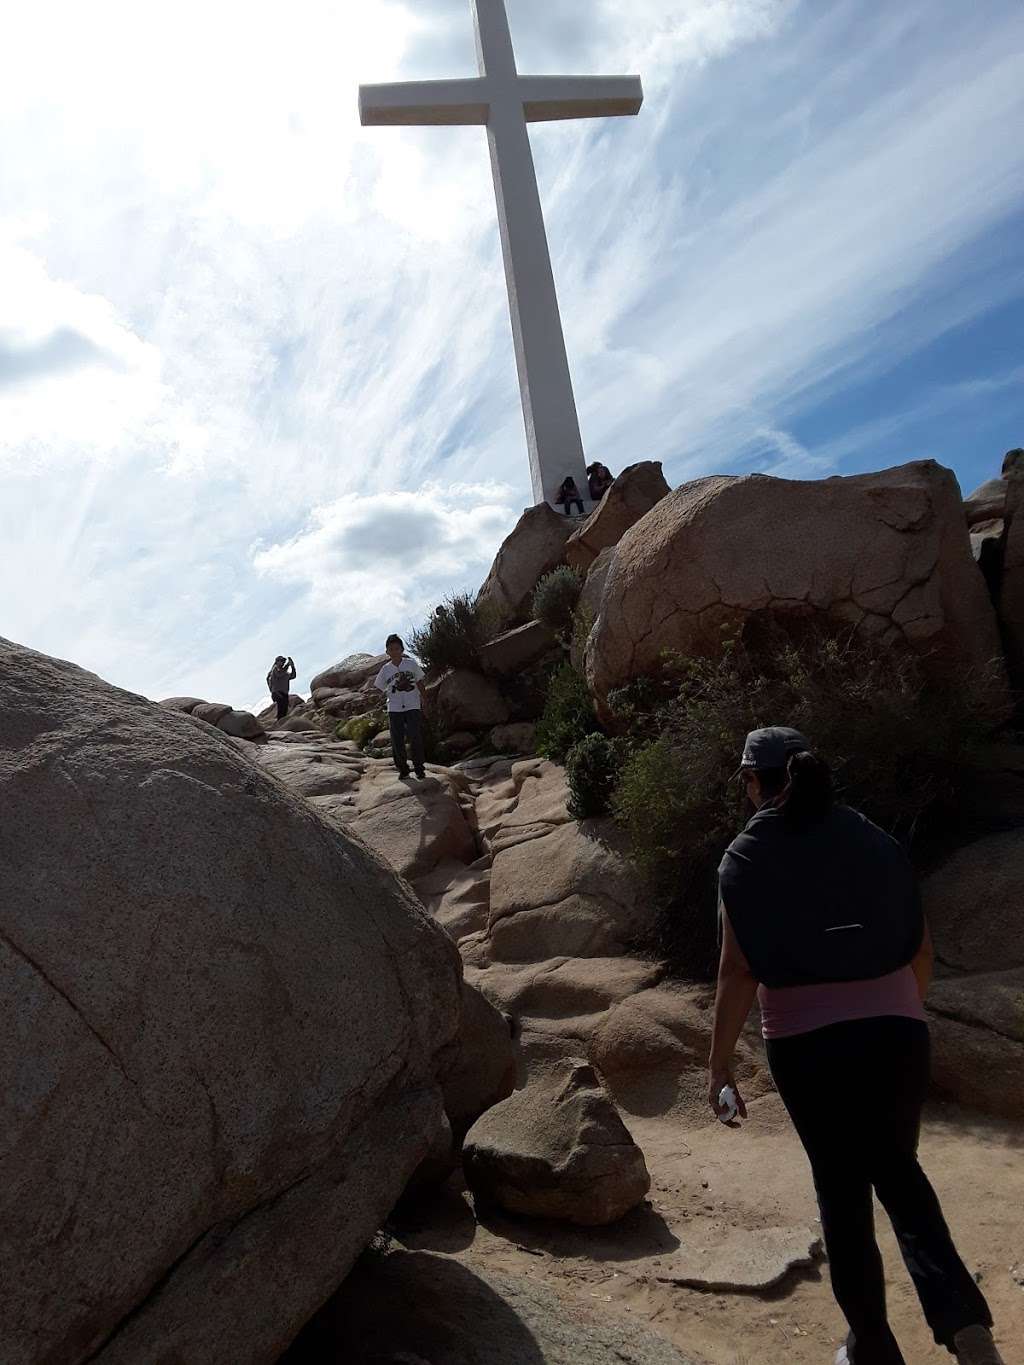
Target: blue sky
{"type": "Point", "coordinates": [257, 391]}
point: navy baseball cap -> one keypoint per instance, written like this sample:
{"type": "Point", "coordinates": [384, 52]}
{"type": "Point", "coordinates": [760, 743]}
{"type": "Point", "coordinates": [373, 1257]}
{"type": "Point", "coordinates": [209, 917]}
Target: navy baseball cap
{"type": "Point", "coordinates": [772, 747]}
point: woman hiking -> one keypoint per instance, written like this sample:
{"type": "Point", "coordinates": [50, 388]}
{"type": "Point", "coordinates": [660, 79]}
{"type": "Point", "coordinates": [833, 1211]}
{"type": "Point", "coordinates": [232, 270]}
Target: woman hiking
{"type": "Point", "coordinates": [821, 919]}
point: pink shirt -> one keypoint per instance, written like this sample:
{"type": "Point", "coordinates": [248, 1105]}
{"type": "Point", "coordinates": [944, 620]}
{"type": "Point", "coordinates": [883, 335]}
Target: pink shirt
{"type": "Point", "coordinates": [788, 1010]}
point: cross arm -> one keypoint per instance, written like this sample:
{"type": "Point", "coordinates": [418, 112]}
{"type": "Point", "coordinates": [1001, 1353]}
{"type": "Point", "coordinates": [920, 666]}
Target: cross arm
{"type": "Point", "coordinates": [425, 103]}
{"type": "Point", "coordinates": [546, 98]}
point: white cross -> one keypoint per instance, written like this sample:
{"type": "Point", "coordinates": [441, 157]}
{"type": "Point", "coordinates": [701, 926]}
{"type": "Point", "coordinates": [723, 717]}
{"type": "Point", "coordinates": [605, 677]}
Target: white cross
{"type": "Point", "coordinates": [506, 102]}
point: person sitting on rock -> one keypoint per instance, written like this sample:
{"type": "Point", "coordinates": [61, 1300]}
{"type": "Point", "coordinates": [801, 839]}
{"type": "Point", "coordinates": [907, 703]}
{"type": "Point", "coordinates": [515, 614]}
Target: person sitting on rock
{"type": "Point", "coordinates": [569, 494]}
{"type": "Point", "coordinates": [278, 681]}
{"type": "Point", "coordinates": [600, 480]}
{"type": "Point", "coordinates": [821, 919]}
{"type": "Point", "coordinates": [401, 681]}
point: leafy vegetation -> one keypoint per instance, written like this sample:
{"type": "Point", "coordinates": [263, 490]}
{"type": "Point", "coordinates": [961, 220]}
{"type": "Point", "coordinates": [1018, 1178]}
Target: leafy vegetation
{"type": "Point", "coordinates": [568, 714]}
{"type": "Point", "coordinates": [591, 766]}
{"type": "Point", "coordinates": [361, 729]}
{"type": "Point", "coordinates": [555, 598]}
{"type": "Point", "coordinates": [898, 745]}
{"type": "Point", "coordinates": [452, 635]}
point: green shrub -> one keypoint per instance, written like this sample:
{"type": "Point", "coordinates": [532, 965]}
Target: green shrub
{"type": "Point", "coordinates": [899, 746]}
{"type": "Point", "coordinates": [591, 766]}
{"type": "Point", "coordinates": [555, 598]}
{"type": "Point", "coordinates": [568, 714]}
{"type": "Point", "coordinates": [452, 635]}
{"type": "Point", "coordinates": [361, 729]}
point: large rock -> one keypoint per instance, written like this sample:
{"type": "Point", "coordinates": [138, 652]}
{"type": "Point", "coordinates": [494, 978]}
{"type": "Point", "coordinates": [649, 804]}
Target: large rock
{"type": "Point", "coordinates": [484, 1070]}
{"type": "Point", "coordinates": [986, 503]}
{"type": "Point", "coordinates": [414, 826]}
{"type": "Point", "coordinates": [352, 673]}
{"type": "Point", "coordinates": [977, 1028]}
{"type": "Point", "coordinates": [221, 1023]}
{"type": "Point", "coordinates": [887, 553]}
{"type": "Point", "coordinates": [516, 649]}
{"type": "Point", "coordinates": [468, 701]}
{"type": "Point", "coordinates": [636, 490]}
{"type": "Point", "coordinates": [557, 1149]}
{"type": "Point", "coordinates": [534, 548]}
{"type": "Point", "coordinates": [588, 608]}
{"type": "Point", "coordinates": [1011, 594]}
{"type": "Point", "coordinates": [975, 905]}
{"type": "Point", "coordinates": [268, 716]}
{"type": "Point", "coordinates": [423, 1308]}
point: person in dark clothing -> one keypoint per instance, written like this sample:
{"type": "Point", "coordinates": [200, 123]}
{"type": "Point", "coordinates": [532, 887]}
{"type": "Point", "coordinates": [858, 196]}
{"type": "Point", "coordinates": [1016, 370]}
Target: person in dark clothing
{"type": "Point", "coordinates": [600, 480]}
{"type": "Point", "coordinates": [821, 918]}
{"type": "Point", "coordinates": [569, 494]}
{"type": "Point", "coordinates": [279, 681]}
{"type": "Point", "coordinates": [401, 681]}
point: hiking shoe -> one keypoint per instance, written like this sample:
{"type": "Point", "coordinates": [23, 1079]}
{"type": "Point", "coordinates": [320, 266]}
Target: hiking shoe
{"type": "Point", "coordinates": [403, 773]}
{"type": "Point", "coordinates": [420, 774]}
{"type": "Point", "coordinates": [974, 1346]}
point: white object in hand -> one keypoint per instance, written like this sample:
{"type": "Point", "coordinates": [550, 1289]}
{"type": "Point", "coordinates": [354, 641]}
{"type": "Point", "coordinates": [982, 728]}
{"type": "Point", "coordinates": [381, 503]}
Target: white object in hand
{"type": "Point", "coordinates": [727, 1102]}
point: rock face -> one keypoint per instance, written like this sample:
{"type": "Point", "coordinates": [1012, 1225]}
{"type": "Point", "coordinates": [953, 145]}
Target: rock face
{"type": "Point", "coordinates": [636, 490]}
{"type": "Point", "coordinates": [222, 1022]}
{"type": "Point", "coordinates": [718, 550]}
{"type": "Point", "coordinates": [516, 649]}
{"type": "Point", "coordinates": [557, 1149]}
{"type": "Point", "coordinates": [484, 1070]}
{"type": "Point", "coordinates": [986, 503]}
{"type": "Point", "coordinates": [534, 548]}
{"type": "Point", "coordinates": [423, 1308]}
{"type": "Point", "coordinates": [977, 1028]}
{"type": "Point", "coordinates": [352, 673]}
{"type": "Point", "coordinates": [469, 701]}
{"type": "Point", "coordinates": [1011, 593]}
{"type": "Point", "coordinates": [975, 905]}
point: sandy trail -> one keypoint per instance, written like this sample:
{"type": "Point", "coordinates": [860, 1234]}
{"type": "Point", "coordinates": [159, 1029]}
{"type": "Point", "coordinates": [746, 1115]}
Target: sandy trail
{"type": "Point", "coordinates": [709, 1180]}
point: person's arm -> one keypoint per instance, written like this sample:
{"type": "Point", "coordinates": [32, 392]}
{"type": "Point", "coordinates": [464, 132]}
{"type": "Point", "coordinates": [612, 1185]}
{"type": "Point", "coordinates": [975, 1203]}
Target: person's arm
{"type": "Point", "coordinates": [291, 667]}
{"type": "Point", "coordinates": [733, 999]}
{"type": "Point", "coordinates": [380, 682]}
{"type": "Point", "coordinates": [924, 961]}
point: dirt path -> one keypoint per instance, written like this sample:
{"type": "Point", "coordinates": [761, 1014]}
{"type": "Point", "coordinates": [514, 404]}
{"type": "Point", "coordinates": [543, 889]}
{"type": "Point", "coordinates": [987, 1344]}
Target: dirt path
{"type": "Point", "coordinates": [709, 1181]}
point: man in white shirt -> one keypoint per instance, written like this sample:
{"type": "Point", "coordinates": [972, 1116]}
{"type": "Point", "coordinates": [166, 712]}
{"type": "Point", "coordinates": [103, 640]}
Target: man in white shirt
{"type": "Point", "coordinates": [401, 681]}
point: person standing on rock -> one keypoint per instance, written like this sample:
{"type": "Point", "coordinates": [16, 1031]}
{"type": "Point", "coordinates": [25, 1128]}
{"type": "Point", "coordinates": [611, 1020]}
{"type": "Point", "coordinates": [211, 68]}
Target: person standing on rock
{"type": "Point", "coordinates": [401, 681]}
{"type": "Point", "coordinates": [279, 682]}
{"type": "Point", "coordinates": [822, 920]}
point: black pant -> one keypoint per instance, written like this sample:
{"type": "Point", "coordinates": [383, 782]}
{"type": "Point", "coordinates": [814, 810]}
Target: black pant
{"type": "Point", "coordinates": [406, 723]}
{"type": "Point", "coordinates": [282, 703]}
{"type": "Point", "coordinates": [854, 1092]}
{"type": "Point", "coordinates": [573, 502]}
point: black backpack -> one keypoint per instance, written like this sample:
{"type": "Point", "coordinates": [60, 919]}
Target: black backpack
{"type": "Point", "coordinates": [833, 901]}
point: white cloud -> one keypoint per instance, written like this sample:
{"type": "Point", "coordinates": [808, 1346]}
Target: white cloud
{"type": "Point", "coordinates": [233, 318]}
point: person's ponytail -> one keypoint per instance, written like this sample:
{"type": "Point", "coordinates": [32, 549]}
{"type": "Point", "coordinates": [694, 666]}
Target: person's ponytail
{"type": "Point", "coordinates": [807, 796]}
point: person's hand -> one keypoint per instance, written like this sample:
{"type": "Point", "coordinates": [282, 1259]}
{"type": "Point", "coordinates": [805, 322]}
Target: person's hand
{"type": "Point", "coordinates": [719, 1077]}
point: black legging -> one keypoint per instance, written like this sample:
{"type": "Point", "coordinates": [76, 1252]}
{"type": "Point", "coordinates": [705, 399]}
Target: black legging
{"type": "Point", "coordinates": [854, 1092]}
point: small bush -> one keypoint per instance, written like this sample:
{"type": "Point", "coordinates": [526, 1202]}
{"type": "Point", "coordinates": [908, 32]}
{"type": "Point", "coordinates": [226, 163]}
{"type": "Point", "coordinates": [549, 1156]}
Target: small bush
{"type": "Point", "coordinates": [361, 729]}
{"type": "Point", "coordinates": [568, 714]}
{"type": "Point", "coordinates": [453, 634]}
{"type": "Point", "coordinates": [555, 598]}
{"type": "Point", "coordinates": [591, 766]}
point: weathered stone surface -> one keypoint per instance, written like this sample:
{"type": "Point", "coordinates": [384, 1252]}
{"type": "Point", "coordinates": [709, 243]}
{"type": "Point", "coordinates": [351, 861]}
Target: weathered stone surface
{"type": "Point", "coordinates": [469, 701]}
{"type": "Point", "coordinates": [534, 548]}
{"type": "Point", "coordinates": [742, 1260]}
{"type": "Point", "coordinates": [315, 767]}
{"type": "Point", "coordinates": [557, 1149]}
{"type": "Point", "coordinates": [186, 704]}
{"type": "Point", "coordinates": [241, 724]}
{"type": "Point", "coordinates": [1011, 594]}
{"type": "Point", "coordinates": [414, 826]}
{"type": "Point", "coordinates": [588, 608]}
{"type": "Point", "coordinates": [977, 1028]}
{"type": "Point", "coordinates": [268, 716]}
{"type": "Point", "coordinates": [651, 1050]}
{"type": "Point", "coordinates": [353, 672]}
{"type": "Point", "coordinates": [484, 1070]}
{"type": "Point", "coordinates": [636, 490]}
{"type": "Point", "coordinates": [516, 649]}
{"type": "Point", "coordinates": [220, 1027]}
{"type": "Point", "coordinates": [211, 711]}
{"type": "Point", "coordinates": [975, 905]}
{"type": "Point", "coordinates": [344, 703]}
{"type": "Point", "coordinates": [720, 549]}
{"type": "Point", "coordinates": [517, 738]}
{"type": "Point", "coordinates": [457, 896]}
{"type": "Point", "coordinates": [987, 502]}
{"type": "Point", "coordinates": [424, 1308]}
